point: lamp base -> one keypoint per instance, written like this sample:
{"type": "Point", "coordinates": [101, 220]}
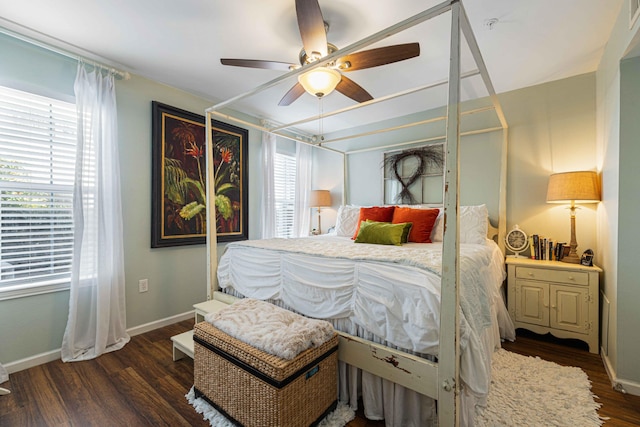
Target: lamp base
{"type": "Point", "coordinates": [571, 258]}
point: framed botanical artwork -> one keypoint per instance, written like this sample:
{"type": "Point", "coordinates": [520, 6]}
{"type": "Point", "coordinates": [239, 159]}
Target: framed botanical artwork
{"type": "Point", "coordinates": [179, 202]}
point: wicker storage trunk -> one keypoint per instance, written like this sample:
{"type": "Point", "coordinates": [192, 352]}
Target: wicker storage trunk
{"type": "Point", "coordinates": [254, 388]}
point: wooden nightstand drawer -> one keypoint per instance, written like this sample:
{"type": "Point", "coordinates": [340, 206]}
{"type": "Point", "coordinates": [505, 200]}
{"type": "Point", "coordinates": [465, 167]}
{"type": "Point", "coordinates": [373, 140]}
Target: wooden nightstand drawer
{"type": "Point", "coordinates": [547, 275]}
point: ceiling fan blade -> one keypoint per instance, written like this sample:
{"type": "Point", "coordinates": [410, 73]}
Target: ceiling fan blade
{"type": "Point", "coordinates": [257, 63]}
{"type": "Point", "coordinates": [379, 56]}
{"type": "Point", "coordinates": [353, 90]}
{"type": "Point", "coordinates": [294, 93]}
{"type": "Point", "coordinates": [311, 25]}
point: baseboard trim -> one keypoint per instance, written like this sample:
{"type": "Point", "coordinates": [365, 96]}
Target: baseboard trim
{"type": "Point", "coordinates": [32, 361]}
{"type": "Point", "coordinates": [623, 386]}
{"type": "Point", "coordinates": [141, 329]}
{"type": "Point", "coordinates": [50, 356]}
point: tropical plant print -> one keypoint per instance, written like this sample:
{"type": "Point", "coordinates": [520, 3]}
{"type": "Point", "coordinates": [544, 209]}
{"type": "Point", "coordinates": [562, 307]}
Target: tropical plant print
{"type": "Point", "coordinates": [185, 197]}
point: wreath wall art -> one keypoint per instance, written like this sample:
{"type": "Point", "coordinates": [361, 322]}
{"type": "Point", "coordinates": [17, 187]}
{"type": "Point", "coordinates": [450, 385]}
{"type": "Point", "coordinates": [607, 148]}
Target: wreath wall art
{"type": "Point", "coordinates": [429, 156]}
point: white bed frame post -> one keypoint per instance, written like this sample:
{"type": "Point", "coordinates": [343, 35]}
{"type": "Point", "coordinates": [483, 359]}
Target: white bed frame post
{"type": "Point", "coordinates": [470, 37]}
{"type": "Point", "coordinates": [212, 233]}
{"type": "Point", "coordinates": [449, 347]}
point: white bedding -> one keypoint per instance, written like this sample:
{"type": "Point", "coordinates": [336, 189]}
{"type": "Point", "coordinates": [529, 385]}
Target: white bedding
{"type": "Point", "coordinates": [389, 292]}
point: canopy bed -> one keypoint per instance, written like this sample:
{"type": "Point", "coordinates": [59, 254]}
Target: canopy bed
{"type": "Point", "coordinates": [440, 380]}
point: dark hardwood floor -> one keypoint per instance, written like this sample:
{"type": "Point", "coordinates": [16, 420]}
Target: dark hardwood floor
{"type": "Point", "coordinates": [141, 386]}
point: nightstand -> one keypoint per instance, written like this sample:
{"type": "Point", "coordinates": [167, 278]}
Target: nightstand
{"type": "Point", "coordinates": [555, 297]}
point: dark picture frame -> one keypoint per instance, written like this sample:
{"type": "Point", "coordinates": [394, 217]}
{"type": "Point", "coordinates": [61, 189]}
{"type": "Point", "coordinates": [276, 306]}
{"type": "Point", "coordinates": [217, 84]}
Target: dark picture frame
{"type": "Point", "coordinates": [178, 182]}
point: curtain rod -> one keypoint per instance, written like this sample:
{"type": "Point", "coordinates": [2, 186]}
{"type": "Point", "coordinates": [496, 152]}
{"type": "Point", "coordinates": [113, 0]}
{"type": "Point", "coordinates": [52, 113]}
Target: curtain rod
{"type": "Point", "coordinates": [49, 43]}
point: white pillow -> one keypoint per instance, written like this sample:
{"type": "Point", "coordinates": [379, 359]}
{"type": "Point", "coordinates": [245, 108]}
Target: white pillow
{"type": "Point", "coordinates": [347, 220]}
{"type": "Point", "coordinates": [474, 222]}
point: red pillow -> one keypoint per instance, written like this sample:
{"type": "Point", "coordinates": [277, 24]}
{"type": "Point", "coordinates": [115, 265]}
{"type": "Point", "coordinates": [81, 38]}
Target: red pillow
{"type": "Point", "coordinates": [422, 219]}
{"type": "Point", "coordinates": [375, 213]}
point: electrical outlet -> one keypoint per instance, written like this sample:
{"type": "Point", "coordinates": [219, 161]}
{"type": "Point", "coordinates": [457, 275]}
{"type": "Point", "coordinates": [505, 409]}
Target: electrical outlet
{"type": "Point", "coordinates": [143, 285]}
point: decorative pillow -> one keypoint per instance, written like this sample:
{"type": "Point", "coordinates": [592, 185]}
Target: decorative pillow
{"type": "Point", "coordinates": [405, 232]}
{"type": "Point", "coordinates": [374, 213]}
{"type": "Point", "coordinates": [474, 222]}
{"type": "Point", "coordinates": [438, 227]}
{"type": "Point", "coordinates": [380, 233]}
{"type": "Point", "coordinates": [347, 220]}
{"type": "Point", "coordinates": [422, 220]}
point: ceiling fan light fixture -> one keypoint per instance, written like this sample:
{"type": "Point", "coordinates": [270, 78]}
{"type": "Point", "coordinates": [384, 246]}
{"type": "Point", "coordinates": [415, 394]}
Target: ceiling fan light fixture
{"type": "Point", "coordinates": [320, 81]}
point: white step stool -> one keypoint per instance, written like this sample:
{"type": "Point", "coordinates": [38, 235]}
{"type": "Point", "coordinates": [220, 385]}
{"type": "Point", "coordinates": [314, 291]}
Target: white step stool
{"type": "Point", "coordinates": [183, 343]}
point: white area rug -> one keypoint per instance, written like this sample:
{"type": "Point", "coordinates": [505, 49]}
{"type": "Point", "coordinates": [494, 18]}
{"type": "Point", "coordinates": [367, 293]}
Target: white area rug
{"type": "Point", "coordinates": [528, 391]}
{"type": "Point", "coordinates": [338, 418]}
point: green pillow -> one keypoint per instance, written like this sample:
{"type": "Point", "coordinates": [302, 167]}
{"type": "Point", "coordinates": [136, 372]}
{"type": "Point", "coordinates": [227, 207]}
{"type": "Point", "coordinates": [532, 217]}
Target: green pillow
{"type": "Point", "coordinates": [381, 233]}
{"type": "Point", "coordinates": [405, 233]}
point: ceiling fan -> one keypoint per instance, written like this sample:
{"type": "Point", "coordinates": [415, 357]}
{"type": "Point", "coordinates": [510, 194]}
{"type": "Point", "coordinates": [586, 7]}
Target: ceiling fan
{"type": "Point", "coordinates": [322, 80]}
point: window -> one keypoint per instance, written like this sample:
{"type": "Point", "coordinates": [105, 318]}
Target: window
{"type": "Point", "coordinates": [285, 189]}
{"type": "Point", "coordinates": [37, 167]}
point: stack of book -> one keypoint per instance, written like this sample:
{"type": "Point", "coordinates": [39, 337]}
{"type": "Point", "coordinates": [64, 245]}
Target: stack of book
{"type": "Point", "coordinates": [543, 248]}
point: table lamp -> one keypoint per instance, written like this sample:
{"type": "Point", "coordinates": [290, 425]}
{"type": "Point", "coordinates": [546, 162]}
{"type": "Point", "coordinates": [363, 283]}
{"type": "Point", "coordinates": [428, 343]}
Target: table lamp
{"type": "Point", "coordinates": [573, 187]}
{"type": "Point", "coordinates": [319, 199]}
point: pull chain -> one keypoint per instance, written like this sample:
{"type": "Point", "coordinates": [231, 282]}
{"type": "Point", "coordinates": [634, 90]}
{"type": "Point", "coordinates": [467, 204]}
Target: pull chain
{"type": "Point", "coordinates": [320, 125]}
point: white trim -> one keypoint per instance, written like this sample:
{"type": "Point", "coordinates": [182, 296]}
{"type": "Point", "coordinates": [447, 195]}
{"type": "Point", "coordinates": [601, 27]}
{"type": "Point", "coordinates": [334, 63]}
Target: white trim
{"type": "Point", "coordinates": [61, 47]}
{"type": "Point", "coordinates": [633, 14]}
{"type": "Point", "coordinates": [141, 329]}
{"type": "Point", "coordinates": [34, 290]}
{"type": "Point", "coordinates": [53, 355]}
{"type": "Point", "coordinates": [619, 385]}
{"type": "Point", "coordinates": [32, 361]}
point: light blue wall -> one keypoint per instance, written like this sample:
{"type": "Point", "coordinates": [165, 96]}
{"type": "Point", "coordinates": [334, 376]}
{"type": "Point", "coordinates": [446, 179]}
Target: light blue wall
{"type": "Point", "coordinates": [629, 208]}
{"type": "Point", "coordinates": [551, 129]}
{"type": "Point", "coordinates": [30, 68]}
{"type": "Point", "coordinates": [177, 276]}
{"type": "Point", "coordinates": [618, 131]}
{"type": "Point", "coordinates": [479, 176]}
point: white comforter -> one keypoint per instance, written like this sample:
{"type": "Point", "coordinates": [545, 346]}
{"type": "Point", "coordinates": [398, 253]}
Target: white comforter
{"type": "Point", "coordinates": [391, 292]}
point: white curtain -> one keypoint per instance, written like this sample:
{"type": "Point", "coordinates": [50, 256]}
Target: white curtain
{"type": "Point", "coordinates": [97, 322]}
{"type": "Point", "coordinates": [268, 186]}
{"type": "Point", "coordinates": [303, 189]}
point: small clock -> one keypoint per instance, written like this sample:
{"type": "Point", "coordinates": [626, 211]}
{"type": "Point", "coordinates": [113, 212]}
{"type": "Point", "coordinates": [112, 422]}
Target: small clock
{"type": "Point", "coordinates": [517, 241]}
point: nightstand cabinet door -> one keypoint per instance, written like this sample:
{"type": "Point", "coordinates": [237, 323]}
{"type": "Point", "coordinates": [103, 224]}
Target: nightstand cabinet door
{"type": "Point", "coordinates": [570, 308]}
{"type": "Point", "coordinates": [532, 302]}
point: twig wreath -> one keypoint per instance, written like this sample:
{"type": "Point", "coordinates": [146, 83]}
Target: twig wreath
{"type": "Point", "coordinates": [425, 155]}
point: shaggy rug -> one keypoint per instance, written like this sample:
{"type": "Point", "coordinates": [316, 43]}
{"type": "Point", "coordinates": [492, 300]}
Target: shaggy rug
{"type": "Point", "coordinates": [529, 391]}
{"type": "Point", "coordinates": [338, 418]}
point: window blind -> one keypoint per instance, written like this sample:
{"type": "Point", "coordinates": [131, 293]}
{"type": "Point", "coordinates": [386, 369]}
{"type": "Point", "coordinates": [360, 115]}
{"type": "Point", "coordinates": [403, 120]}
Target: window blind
{"type": "Point", "coordinates": [285, 191]}
{"type": "Point", "coordinates": [37, 166]}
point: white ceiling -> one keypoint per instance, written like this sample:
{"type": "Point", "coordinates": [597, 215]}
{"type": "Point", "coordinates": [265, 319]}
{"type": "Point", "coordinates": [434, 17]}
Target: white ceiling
{"type": "Point", "coordinates": [180, 43]}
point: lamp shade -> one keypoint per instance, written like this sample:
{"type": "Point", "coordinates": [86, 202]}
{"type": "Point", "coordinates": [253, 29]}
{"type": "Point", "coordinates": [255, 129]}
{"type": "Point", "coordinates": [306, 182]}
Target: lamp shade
{"type": "Point", "coordinates": [579, 187]}
{"type": "Point", "coordinates": [320, 198]}
{"type": "Point", "coordinates": [320, 81]}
